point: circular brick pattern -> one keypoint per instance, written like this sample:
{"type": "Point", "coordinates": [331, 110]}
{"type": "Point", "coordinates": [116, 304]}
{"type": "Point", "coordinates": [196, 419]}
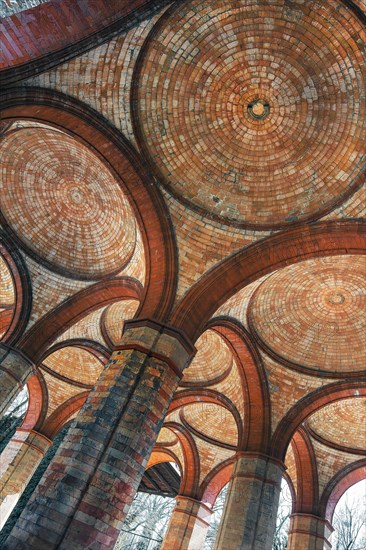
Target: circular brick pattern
{"type": "Point", "coordinates": [340, 423]}
{"type": "Point", "coordinates": [115, 316]}
{"type": "Point", "coordinates": [212, 360]}
{"type": "Point", "coordinates": [7, 297]}
{"type": "Point", "coordinates": [255, 111]}
{"type": "Point", "coordinates": [64, 205]}
{"type": "Point", "coordinates": [75, 364]}
{"type": "Point", "coordinates": [313, 313]}
{"type": "Point", "coordinates": [212, 421]}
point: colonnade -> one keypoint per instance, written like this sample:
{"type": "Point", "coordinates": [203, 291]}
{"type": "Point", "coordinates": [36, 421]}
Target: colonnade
{"type": "Point", "coordinates": [86, 492]}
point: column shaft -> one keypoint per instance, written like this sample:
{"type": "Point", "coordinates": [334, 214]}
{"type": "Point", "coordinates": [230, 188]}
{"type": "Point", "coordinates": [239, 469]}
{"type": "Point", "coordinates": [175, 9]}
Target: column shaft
{"type": "Point", "coordinates": [249, 518]}
{"type": "Point", "coordinates": [188, 525]}
{"type": "Point", "coordinates": [15, 369]}
{"type": "Point", "coordinates": [88, 488]}
{"type": "Point", "coordinates": [309, 532]}
{"type": "Point", "coordinates": [18, 462]}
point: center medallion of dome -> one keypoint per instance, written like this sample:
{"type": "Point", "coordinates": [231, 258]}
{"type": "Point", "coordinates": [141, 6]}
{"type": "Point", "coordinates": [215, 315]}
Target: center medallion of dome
{"type": "Point", "coordinates": [336, 298]}
{"type": "Point", "coordinates": [258, 109]}
{"type": "Point", "coordinates": [76, 195]}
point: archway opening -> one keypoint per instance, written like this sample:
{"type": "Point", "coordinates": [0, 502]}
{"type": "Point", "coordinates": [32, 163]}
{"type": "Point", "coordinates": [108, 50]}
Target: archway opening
{"type": "Point", "coordinates": [349, 519]}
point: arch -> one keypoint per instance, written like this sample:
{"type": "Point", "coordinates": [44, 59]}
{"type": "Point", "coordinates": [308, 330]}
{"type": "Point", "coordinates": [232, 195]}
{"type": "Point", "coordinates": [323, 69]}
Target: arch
{"type": "Point", "coordinates": [307, 493]}
{"type": "Point", "coordinates": [95, 348]}
{"type": "Point", "coordinates": [37, 392]}
{"type": "Point", "coordinates": [108, 143]}
{"type": "Point", "coordinates": [190, 396]}
{"type": "Point", "coordinates": [23, 290]}
{"type": "Point", "coordinates": [73, 34]}
{"type": "Point", "coordinates": [338, 485]}
{"type": "Point", "coordinates": [257, 402]}
{"type": "Point", "coordinates": [327, 238]}
{"type": "Point", "coordinates": [191, 468]}
{"type": "Point", "coordinates": [50, 326]}
{"type": "Point", "coordinates": [62, 414]}
{"type": "Point", "coordinates": [309, 404]}
{"type": "Point", "coordinates": [158, 456]}
{"type": "Point", "coordinates": [215, 481]}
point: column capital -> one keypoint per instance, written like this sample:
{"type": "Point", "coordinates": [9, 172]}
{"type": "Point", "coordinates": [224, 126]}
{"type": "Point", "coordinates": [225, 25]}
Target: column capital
{"type": "Point", "coordinates": [14, 362]}
{"type": "Point", "coordinates": [313, 518]}
{"type": "Point", "coordinates": [260, 456]}
{"type": "Point", "coordinates": [309, 531]}
{"type": "Point", "coordinates": [158, 340]}
{"type": "Point", "coordinates": [33, 439]}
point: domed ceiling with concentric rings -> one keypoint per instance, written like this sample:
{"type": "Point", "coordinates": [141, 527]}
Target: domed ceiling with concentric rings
{"type": "Point", "coordinates": [7, 297]}
{"type": "Point", "coordinates": [254, 113]}
{"type": "Point", "coordinates": [312, 314]}
{"type": "Point", "coordinates": [340, 422]}
{"type": "Point", "coordinates": [64, 205]}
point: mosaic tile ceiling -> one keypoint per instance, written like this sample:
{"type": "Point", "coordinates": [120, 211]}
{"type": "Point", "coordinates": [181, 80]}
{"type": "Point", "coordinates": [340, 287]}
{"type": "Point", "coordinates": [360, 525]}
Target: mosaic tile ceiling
{"type": "Point", "coordinates": [252, 115]}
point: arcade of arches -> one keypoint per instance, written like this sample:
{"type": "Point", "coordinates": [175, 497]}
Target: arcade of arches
{"type": "Point", "coordinates": [182, 263]}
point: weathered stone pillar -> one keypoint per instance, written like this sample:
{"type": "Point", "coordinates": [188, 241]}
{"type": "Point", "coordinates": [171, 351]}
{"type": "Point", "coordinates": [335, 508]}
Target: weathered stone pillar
{"type": "Point", "coordinates": [308, 532]}
{"type": "Point", "coordinates": [18, 462]}
{"type": "Point", "coordinates": [88, 488]}
{"type": "Point", "coordinates": [249, 518]}
{"type": "Point", "coordinates": [188, 525]}
{"type": "Point", "coordinates": [15, 369]}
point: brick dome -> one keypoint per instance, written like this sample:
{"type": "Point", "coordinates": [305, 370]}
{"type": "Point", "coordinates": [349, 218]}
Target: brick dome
{"type": "Point", "coordinates": [339, 423]}
{"type": "Point", "coordinates": [7, 296]}
{"type": "Point", "coordinates": [70, 210]}
{"type": "Point", "coordinates": [254, 112]}
{"type": "Point", "coordinates": [312, 314]}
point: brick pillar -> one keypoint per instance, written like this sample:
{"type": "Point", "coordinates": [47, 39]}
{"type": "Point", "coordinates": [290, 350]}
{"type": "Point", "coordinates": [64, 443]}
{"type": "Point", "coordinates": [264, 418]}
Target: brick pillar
{"type": "Point", "coordinates": [15, 369]}
{"type": "Point", "coordinates": [188, 525]}
{"type": "Point", "coordinates": [309, 532]}
{"type": "Point", "coordinates": [88, 488]}
{"type": "Point", "coordinates": [18, 462]}
{"type": "Point", "coordinates": [249, 518]}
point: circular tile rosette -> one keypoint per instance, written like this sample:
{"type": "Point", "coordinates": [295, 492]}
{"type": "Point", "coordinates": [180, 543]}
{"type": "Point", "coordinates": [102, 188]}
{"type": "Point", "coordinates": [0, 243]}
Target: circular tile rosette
{"type": "Point", "coordinates": [253, 112]}
{"type": "Point", "coordinates": [64, 205]}
{"type": "Point", "coordinates": [312, 315]}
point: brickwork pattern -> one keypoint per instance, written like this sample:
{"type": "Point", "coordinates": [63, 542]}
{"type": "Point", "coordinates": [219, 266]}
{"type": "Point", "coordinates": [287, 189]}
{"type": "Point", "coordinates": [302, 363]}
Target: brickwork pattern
{"type": "Point", "coordinates": [7, 297]}
{"type": "Point", "coordinates": [342, 423]}
{"type": "Point", "coordinates": [75, 364]}
{"type": "Point", "coordinates": [18, 463]}
{"type": "Point", "coordinates": [208, 68]}
{"type": "Point", "coordinates": [100, 464]}
{"type": "Point", "coordinates": [83, 225]}
{"type": "Point", "coordinates": [15, 369]}
{"type": "Point", "coordinates": [249, 517]}
{"type": "Point", "coordinates": [309, 532]}
{"type": "Point", "coordinates": [188, 525]}
{"type": "Point", "coordinates": [312, 314]}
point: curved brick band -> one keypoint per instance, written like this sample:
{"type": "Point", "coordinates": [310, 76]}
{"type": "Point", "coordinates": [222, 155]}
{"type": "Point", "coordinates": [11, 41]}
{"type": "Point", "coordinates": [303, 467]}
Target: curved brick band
{"type": "Point", "coordinates": [249, 518]}
{"type": "Point", "coordinates": [90, 484]}
{"type": "Point", "coordinates": [15, 369]}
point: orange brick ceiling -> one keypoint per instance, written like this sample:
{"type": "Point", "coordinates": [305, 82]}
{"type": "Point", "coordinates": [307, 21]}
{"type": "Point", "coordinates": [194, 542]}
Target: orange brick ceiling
{"type": "Point", "coordinates": [209, 159]}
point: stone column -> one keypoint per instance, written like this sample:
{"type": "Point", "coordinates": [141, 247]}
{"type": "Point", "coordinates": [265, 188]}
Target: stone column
{"type": "Point", "coordinates": [188, 525]}
{"type": "Point", "coordinates": [15, 369]}
{"type": "Point", "coordinates": [249, 518]}
{"type": "Point", "coordinates": [309, 532]}
{"type": "Point", "coordinates": [18, 462]}
{"type": "Point", "coordinates": [88, 488]}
